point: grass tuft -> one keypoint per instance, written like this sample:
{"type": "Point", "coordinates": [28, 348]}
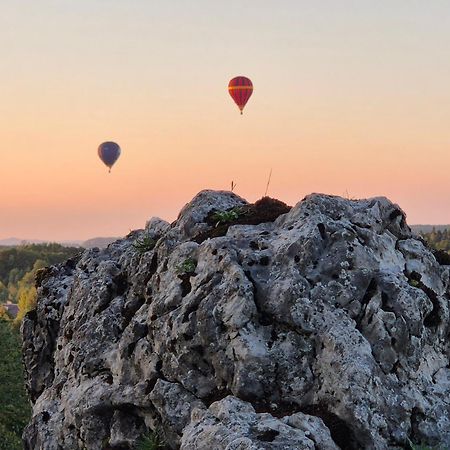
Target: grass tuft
{"type": "Point", "coordinates": [144, 244]}
{"type": "Point", "coordinates": [222, 217]}
{"type": "Point", "coordinates": [151, 441]}
{"type": "Point", "coordinates": [188, 266]}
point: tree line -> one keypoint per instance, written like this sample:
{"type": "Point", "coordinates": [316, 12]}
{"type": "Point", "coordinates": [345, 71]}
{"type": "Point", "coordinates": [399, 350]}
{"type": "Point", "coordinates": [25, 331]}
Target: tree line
{"type": "Point", "coordinates": [438, 239]}
{"type": "Point", "coordinates": [18, 267]}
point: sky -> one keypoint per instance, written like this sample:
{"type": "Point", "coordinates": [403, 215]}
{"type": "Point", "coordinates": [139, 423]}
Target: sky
{"type": "Point", "coordinates": [350, 98]}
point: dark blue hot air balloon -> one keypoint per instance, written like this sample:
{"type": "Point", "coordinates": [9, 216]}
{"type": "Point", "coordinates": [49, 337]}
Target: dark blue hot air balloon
{"type": "Point", "coordinates": [109, 153]}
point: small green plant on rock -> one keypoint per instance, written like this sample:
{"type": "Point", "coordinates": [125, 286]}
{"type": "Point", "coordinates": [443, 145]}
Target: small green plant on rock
{"type": "Point", "coordinates": [222, 217]}
{"type": "Point", "coordinates": [187, 266]}
{"type": "Point", "coordinates": [144, 244]}
{"type": "Point", "coordinates": [151, 441]}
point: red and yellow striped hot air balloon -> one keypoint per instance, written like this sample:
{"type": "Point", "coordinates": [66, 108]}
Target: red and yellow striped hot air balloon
{"type": "Point", "coordinates": [240, 89]}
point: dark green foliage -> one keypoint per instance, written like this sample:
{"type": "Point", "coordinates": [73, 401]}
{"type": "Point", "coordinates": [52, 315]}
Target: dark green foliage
{"type": "Point", "coordinates": [423, 447]}
{"type": "Point", "coordinates": [151, 441]}
{"type": "Point", "coordinates": [188, 266]}
{"type": "Point", "coordinates": [15, 408]}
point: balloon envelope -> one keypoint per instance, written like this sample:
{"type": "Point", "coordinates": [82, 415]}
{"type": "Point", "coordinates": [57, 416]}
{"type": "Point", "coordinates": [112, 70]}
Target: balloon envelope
{"type": "Point", "coordinates": [240, 89]}
{"type": "Point", "coordinates": [109, 153]}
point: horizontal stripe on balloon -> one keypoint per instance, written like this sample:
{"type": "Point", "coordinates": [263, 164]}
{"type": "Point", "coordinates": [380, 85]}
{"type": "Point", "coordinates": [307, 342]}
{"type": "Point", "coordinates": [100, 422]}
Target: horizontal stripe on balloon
{"type": "Point", "coordinates": [240, 88]}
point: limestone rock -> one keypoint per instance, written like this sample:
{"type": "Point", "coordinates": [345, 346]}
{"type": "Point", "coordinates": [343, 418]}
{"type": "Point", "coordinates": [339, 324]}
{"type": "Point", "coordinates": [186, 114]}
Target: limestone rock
{"type": "Point", "coordinates": [326, 328]}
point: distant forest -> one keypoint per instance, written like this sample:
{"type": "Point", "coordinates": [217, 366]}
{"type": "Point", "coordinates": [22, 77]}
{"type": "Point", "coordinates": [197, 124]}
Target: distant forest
{"type": "Point", "coordinates": [421, 229]}
{"type": "Point", "coordinates": [18, 267]}
{"type": "Point", "coordinates": [438, 239]}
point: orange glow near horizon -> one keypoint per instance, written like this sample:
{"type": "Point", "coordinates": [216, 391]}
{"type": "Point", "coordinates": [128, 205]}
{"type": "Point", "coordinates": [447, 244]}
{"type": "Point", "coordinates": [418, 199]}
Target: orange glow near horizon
{"type": "Point", "coordinates": [350, 100]}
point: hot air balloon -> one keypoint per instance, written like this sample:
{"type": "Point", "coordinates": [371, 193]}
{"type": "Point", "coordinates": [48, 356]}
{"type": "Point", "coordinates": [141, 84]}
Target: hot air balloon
{"type": "Point", "coordinates": [109, 153]}
{"type": "Point", "coordinates": [240, 89]}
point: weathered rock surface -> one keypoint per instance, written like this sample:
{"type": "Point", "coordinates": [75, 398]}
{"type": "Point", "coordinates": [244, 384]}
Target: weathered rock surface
{"type": "Point", "coordinates": [326, 329]}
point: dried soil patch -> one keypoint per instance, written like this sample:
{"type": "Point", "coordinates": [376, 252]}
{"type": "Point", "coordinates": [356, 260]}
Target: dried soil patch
{"type": "Point", "coordinates": [264, 210]}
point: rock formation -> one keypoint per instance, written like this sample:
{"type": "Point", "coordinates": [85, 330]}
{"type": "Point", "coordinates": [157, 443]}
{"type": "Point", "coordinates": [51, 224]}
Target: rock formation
{"type": "Point", "coordinates": [243, 327]}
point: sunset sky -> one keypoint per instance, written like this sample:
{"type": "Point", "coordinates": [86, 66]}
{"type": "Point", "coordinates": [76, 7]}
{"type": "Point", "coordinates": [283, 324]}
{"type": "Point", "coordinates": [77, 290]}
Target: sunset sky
{"type": "Point", "coordinates": [351, 98]}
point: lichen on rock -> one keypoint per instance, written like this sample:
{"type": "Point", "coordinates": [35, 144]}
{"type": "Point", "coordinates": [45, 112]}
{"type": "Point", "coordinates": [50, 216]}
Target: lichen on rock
{"type": "Point", "coordinates": [325, 328]}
